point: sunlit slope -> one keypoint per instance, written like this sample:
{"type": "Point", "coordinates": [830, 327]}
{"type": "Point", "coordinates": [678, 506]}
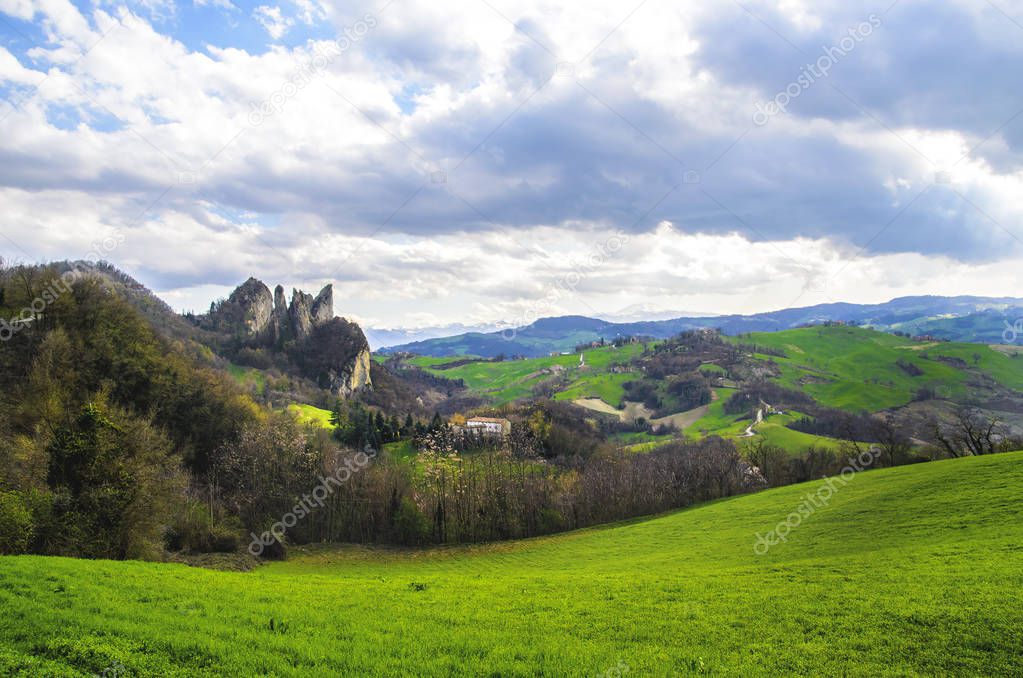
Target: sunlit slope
{"type": "Point", "coordinates": [908, 571]}
{"type": "Point", "coordinates": [858, 369]}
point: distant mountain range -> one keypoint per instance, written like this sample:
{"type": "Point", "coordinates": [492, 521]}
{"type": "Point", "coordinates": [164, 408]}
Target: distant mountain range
{"type": "Point", "coordinates": [989, 320]}
{"type": "Point", "coordinates": [382, 338]}
{"type": "Point", "coordinates": [646, 312]}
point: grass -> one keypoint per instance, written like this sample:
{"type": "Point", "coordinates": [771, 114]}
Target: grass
{"type": "Point", "coordinates": [510, 380]}
{"type": "Point", "coordinates": [775, 432]}
{"type": "Point", "coordinates": [249, 377]}
{"type": "Point", "coordinates": [712, 369]}
{"type": "Point", "coordinates": [773, 429]}
{"type": "Point", "coordinates": [849, 368]}
{"type": "Point", "coordinates": [308, 414]}
{"type": "Point", "coordinates": [716, 422]}
{"type": "Point", "coordinates": [402, 449]}
{"type": "Point", "coordinates": [852, 368]}
{"type": "Point", "coordinates": [606, 386]}
{"type": "Point", "coordinates": [856, 369]}
{"type": "Point", "coordinates": [908, 571]}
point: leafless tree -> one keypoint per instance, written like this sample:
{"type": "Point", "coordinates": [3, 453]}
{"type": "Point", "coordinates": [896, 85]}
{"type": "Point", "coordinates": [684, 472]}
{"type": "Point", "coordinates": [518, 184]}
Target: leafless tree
{"type": "Point", "coordinates": [894, 443]}
{"type": "Point", "coordinates": [970, 431]}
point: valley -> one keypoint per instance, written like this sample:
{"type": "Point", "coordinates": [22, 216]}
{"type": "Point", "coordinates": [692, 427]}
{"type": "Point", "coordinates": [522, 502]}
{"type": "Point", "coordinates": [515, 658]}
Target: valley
{"type": "Point", "coordinates": [836, 366]}
{"type": "Point", "coordinates": [183, 488]}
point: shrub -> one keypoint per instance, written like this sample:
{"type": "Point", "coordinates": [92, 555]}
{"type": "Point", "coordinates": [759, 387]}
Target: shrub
{"type": "Point", "coordinates": [410, 525]}
{"type": "Point", "coordinates": [195, 531]}
{"type": "Point", "coordinates": [16, 527]}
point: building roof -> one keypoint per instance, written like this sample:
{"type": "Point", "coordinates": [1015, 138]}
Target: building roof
{"type": "Point", "coordinates": [487, 420]}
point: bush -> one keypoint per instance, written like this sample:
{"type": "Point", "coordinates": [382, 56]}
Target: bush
{"type": "Point", "coordinates": [253, 357]}
{"type": "Point", "coordinates": [16, 527]}
{"type": "Point", "coordinates": [410, 525]}
{"type": "Point", "coordinates": [195, 531]}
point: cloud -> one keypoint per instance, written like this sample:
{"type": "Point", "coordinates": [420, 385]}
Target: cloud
{"type": "Point", "coordinates": [273, 20]}
{"type": "Point", "coordinates": [442, 140]}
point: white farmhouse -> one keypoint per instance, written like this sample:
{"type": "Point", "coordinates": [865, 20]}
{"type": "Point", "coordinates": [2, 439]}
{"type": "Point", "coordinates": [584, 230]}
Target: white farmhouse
{"type": "Point", "coordinates": [489, 426]}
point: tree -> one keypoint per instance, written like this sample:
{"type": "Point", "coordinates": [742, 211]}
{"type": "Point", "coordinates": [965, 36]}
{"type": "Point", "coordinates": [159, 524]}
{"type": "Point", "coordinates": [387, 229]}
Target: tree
{"type": "Point", "coordinates": [969, 431]}
{"type": "Point", "coordinates": [772, 461]}
{"type": "Point", "coordinates": [895, 445]}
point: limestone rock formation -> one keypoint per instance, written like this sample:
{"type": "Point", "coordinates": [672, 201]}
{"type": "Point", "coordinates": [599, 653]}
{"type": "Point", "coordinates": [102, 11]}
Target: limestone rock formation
{"type": "Point", "coordinates": [336, 355]}
{"type": "Point", "coordinates": [301, 314]}
{"type": "Point", "coordinates": [246, 312]}
{"type": "Point", "coordinates": [280, 325]}
{"type": "Point", "coordinates": [323, 306]}
{"type": "Point", "coordinates": [331, 351]}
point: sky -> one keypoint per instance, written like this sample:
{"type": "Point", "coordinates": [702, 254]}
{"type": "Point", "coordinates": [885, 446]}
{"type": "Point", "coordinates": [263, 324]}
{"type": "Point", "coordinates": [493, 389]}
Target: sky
{"type": "Point", "coordinates": [491, 161]}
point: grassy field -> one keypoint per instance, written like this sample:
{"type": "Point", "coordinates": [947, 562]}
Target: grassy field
{"type": "Point", "coordinates": [308, 414]}
{"type": "Point", "coordinates": [856, 369]}
{"type": "Point", "coordinates": [850, 368]}
{"type": "Point", "coordinates": [248, 377]}
{"type": "Point", "coordinates": [607, 387]}
{"type": "Point", "coordinates": [510, 380]}
{"type": "Point", "coordinates": [773, 429]}
{"type": "Point", "coordinates": [845, 367]}
{"type": "Point", "coordinates": [907, 571]}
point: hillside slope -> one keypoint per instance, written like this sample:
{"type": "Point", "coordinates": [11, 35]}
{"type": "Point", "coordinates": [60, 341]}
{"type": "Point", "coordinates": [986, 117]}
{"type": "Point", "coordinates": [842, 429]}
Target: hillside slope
{"type": "Point", "coordinates": [858, 369]}
{"type": "Point", "coordinates": [965, 318]}
{"type": "Point", "coordinates": [907, 571]}
{"type": "Point", "coordinates": [847, 368]}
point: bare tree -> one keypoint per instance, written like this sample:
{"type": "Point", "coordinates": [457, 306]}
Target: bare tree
{"type": "Point", "coordinates": [894, 443]}
{"type": "Point", "coordinates": [969, 432]}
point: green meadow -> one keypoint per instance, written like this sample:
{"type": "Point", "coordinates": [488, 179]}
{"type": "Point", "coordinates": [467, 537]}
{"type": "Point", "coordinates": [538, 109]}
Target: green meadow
{"type": "Point", "coordinates": [849, 368]}
{"type": "Point", "coordinates": [772, 430]}
{"type": "Point", "coordinates": [510, 380]}
{"type": "Point", "coordinates": [309, 414]}
{"type": "Point", "coordinates": [908, 571]}
{"type": "Point", "coordinates": [248, 377]}
{"type": "Point", "coordinates": [857, 369]}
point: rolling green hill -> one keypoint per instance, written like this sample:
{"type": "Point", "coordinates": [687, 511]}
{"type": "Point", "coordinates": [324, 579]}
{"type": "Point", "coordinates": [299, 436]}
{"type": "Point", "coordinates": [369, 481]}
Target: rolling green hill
{"type": "Point", "coordinates": [509, 380]}
{"type": "Point", "coordinates": [845, 367]}
{"type": "Point", "coordinates": [907, 571]}
{"type": "Point", "coordinates": [848, 368]}
{"type": "Point", "coordinates": [964, 318]}
{"type": "Point", "coordinates": [858, 369]}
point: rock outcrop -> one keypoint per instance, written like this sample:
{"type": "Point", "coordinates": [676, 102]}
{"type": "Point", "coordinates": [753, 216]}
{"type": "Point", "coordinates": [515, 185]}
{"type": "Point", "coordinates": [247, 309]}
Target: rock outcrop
{"type": "Point", "coordinates": [336, 355]}
{"type": "Point", "coordinates": [322, 309]}
{"type": "Point", "coordinates": [301, 314]}
{"type": "Point", "coordinates": [331, 351]}
{"type": "Point", "coordinates": [247, 312]}
{"type": "Point", "coordinates": [280, 324]}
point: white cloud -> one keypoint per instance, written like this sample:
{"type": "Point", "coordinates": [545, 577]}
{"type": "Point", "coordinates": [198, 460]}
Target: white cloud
{"type": "Point", "coordinates": [309, 11]}
{"type": "Point", "coordinates": [222, 4]}
{"type": "Point", "coordinates": [11, 70]}
{"type": "Point", "coordinates": [273, 20]}
{"type": "Point", "coordinates": [339, 182]}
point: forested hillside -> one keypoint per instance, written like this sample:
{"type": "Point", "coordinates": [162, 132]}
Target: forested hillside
{"type": "Point", "coordinates": [126, 432]}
